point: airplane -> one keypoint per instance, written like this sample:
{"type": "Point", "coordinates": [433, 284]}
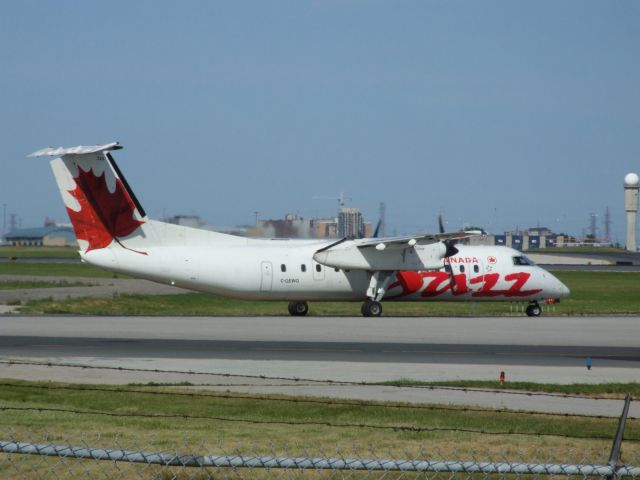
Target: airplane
{"type": "Point", "coordinates": [114, 232]}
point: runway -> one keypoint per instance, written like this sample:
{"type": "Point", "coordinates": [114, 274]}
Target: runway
{"type": "Point", "coordinates": [259, 354]}
{"type": "Point", "coordinates": [473, 354]}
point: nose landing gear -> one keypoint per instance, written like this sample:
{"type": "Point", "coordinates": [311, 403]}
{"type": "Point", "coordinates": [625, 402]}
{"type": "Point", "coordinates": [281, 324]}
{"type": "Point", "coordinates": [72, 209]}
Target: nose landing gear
{"type": "Point", "coordinates": [533, 309]}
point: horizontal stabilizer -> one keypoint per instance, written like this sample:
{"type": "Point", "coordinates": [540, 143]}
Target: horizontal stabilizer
{"type": "Point", "coordinates": [79, 150]}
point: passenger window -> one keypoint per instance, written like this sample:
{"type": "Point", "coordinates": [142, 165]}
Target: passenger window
{"type": "Point", "coordinates": [303, 267]}
{"type": "Point", "coordinates": [337, 269]}
{"type": "Point", "coordinates": [283, 268]}
{"type": "Point", "coordinates": [447, 268]}
{"type": "Point", "coordinates": [461, 268]}
{"type": "Point", "coordinates": [318, 267]}
{"type": "Point", "coordinates": [476, 268]}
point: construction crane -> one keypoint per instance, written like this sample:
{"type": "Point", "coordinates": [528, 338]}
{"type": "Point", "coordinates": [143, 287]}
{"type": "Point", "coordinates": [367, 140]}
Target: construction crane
{"type": "Point", "coordinates": [341, 198]}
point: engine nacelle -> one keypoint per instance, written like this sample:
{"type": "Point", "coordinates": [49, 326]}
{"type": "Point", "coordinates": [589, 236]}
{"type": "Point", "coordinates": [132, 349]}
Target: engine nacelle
{"type": "Point", "coordinates": [349, 255]}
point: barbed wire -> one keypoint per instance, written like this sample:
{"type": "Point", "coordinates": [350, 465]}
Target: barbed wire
{"type": "Point", "coordinates": [297, 400]}
{"type": "Point", "coordinates": [404, 428]}
{"type": "Point", "coordinates": [312, 381]}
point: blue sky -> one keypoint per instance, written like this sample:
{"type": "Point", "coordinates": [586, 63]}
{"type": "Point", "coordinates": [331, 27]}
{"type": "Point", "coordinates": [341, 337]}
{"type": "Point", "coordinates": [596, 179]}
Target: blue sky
{"type": "Point", "coordinates": [495, 113]}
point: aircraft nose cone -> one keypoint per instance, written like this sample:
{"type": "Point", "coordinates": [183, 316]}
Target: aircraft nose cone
{"type": "Point", "coordinates": [561, 289]}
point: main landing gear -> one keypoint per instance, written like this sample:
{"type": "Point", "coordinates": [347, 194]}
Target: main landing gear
{"type": "Point", "coordinates": [533, 309]}
{"type": "Point", "coordinates": [298, 309]}
{"type": "Point", "coordinates": [378, 285]}
{"type": "Point", "coordinates": [371, 308]}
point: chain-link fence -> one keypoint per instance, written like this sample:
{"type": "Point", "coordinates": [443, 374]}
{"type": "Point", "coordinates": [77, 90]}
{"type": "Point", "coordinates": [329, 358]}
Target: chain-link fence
{"type": "Point", "coordinates": [163, 432]}
{"type": "Point", "coordinates": [30, 454]}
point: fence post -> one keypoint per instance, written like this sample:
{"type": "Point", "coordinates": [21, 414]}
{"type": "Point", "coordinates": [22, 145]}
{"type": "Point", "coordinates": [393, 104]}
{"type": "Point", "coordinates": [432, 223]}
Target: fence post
{"type": "Point", "coordinates": [617, 441]}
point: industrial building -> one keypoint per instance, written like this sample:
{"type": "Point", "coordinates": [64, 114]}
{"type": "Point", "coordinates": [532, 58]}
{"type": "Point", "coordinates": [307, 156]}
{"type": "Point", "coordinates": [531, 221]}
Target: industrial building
{"type": "Point", "coordinates": [47, 236]}
{"type": "Point", "coordinates": [349, 223]}
{"type": "Point", "coordinates": [524, 240]}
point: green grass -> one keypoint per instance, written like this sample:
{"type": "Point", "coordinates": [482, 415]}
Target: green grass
{"type": "Point", "coordinates": [585, 249]}
{"type": "Point", "coordinates": [55, 270]}
{"type": "Point", "coordinates": [38, 252]}
{"type": "Point", "coordinates": [19, 285]}
{"type": "Point", "coordinates": [592, 293]}
{"type": "Point", "coordinates": [613, 390]}
{"type": "Point", "coordinates": [249, 420]}
{"type": "Point", "coordinates": [204, 304]}
{"type": "Point", "coordinates": [599, 293]}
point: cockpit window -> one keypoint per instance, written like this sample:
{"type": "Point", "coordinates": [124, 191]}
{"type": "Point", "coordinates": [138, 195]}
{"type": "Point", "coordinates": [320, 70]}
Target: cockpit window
{"type": "Point", "coordinates": [521, 260]}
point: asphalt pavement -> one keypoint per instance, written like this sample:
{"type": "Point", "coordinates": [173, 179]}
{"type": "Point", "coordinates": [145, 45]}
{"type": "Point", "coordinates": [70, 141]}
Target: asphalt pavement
{"type": "Point", "coordinates": [272, 354]}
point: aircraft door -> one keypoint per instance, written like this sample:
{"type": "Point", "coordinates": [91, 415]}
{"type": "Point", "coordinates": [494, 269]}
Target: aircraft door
{"type": "Point", "coordinates": [267, 277]}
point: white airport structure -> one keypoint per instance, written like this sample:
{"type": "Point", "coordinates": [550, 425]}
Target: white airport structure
{"type": "Point", "coordinates": [631, 186]}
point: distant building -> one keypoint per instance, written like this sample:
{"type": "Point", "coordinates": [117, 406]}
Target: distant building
{"type": "Point", "coordinates": [48, 236]}
{"type": "Point", "coordinates": [291, 226]}
{"type": "Point", "coordinates": [350, 223]}
{"type": "Point", "coordinates": [368, 230]}
{"type": "Point", "coordinates": [524, 240]}
{"type": "Point", "coordinates": [324, 227]}
{"type": "Point", "coordinates": [193, 221]}
{"type": "Point", "coordinates": [540, 231]}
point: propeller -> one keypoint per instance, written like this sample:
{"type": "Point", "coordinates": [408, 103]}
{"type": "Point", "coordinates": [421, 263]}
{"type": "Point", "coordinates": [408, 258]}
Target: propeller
{"type": "Point", "coordinates": [451, 249]}
{"type": "Point", "coordinates": [449, 252]}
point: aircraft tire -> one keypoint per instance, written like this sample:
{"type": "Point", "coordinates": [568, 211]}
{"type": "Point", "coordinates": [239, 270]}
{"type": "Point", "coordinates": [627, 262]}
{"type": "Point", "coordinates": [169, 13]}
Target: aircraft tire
{"type": "Point", "coordinates": [298, 309]}
{"type": "Point", "coordinates": [371, 308]}
{"type": "Point", "coordinates": [534, 310]}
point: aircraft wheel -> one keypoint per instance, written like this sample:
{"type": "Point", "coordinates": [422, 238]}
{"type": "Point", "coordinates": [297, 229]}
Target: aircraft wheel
{"type": "Point", "coordinates": [371, 308]}
{"type": "Point", "coordinates": [298, 309]}
{"type": "Point", "coordinates": [534, 310]}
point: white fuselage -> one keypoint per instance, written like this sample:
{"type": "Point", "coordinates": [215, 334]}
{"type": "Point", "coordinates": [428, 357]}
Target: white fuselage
{"type": "Point", "coordinates": [286, 270]}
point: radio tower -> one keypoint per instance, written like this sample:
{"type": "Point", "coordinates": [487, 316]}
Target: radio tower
{"type": "Point", "coordinates": [593, 226]}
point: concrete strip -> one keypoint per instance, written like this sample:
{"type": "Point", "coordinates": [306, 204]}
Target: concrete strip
{"type": "Point", "coordinates": [92, 287]}
{"type": "Point", "coordinates": [596, 331]}
{"type": "Point", "coordinates": [341, 372]}
{"type": "Point", "coordinates": [550, 259]}
{"type": "Point", "coordinates": [565, 331]}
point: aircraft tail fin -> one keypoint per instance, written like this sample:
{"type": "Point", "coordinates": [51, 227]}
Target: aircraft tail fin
{"type": "Point", "coordinates": [102, 208]}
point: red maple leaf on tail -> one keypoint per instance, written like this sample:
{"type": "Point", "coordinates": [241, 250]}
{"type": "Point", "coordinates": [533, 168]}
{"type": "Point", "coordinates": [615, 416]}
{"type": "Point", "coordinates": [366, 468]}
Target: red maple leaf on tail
{"type": "Point", "coordinates": [104, 216]}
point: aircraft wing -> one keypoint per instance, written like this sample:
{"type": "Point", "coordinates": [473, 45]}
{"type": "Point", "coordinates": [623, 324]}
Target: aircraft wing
{"type": "Point", "coordinates": [407, 241]}
{"type": "Point", "coordinates": [425, 252]}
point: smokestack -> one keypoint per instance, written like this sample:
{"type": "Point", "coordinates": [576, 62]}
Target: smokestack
{"type": "Point", "coordinates": [631, 186]}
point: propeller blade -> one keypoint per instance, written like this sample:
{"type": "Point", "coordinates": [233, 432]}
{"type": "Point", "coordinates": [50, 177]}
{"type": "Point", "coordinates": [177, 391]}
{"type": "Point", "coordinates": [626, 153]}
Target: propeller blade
{"type": "Point", "coordinates": [440, 223]}
{"type": "Point", "coordinates": [451, 249]}
{"type": "Point", "coordinates": [452, 280]}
